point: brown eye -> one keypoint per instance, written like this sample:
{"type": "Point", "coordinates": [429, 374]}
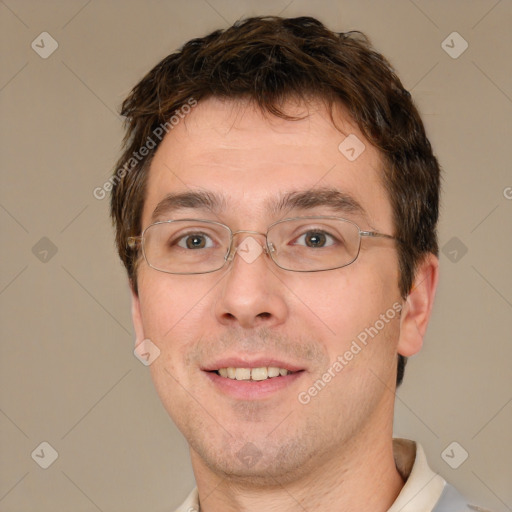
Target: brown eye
{"type": "Point", "coordinates": [195, 241]}
{"type": "Point", "coordinates": [315, 239]}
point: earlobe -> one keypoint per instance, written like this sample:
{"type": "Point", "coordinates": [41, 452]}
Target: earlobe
{"type": "Point", "coordinates": [137, 317]}
{"type": "Point", "coordinates": [418, 307]}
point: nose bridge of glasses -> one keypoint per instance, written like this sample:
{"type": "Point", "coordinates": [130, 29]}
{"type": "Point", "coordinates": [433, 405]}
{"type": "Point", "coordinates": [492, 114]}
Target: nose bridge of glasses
{"type": "Point", "coordinates": [236, 246]}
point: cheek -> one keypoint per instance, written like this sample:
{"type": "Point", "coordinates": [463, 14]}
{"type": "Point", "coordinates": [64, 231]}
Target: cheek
{"type": "Point", "coordinates": [170, 302]}
{"type": "Point", "coordinates": [174, 314]}
{"type": "Point", "coordinates": [343, 302]}
{"type": "Point", "coordinates": [356, 309]}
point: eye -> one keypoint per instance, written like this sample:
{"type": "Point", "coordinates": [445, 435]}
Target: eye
{"type": "Point", "coordinates": [315, 239]}
{"type": "Point", "coordinates": [195, 241]}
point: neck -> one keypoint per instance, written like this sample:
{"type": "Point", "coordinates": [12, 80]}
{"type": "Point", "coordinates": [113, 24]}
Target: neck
{"type": "Point", "coordinates": [362, 477]}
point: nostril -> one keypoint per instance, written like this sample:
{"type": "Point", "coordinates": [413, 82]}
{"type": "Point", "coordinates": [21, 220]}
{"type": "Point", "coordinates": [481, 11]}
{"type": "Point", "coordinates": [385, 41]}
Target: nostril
{"type": "Point", "coordinates": [264, 315]}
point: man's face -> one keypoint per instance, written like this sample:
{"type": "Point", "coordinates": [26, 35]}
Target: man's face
{"type": "Point", "coordinates": [254, 314]}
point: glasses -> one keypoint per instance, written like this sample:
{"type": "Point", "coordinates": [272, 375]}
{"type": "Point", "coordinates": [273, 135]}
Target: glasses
{"type": "Point", "coordinates": [301, 244]}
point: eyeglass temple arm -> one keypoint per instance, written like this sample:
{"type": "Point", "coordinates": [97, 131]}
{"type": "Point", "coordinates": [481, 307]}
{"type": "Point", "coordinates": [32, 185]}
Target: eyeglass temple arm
{"type": "Point", "coordinates": [375, 234]}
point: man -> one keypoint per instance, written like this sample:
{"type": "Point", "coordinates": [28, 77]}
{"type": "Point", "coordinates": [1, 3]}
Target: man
{"type": "Point", "coordinates": [276, 208]}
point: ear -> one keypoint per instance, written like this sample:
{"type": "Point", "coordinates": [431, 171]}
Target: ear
{"type": "Point", "coordinates": [137, 317]}
{"type": "Point", "coordinates": [418, 306]}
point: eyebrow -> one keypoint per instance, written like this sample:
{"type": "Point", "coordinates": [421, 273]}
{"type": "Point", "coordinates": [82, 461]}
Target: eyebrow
{"type": "Point", "coordinates": [332, 198]}
{"type": "Point", "coordinates": [198, 200]}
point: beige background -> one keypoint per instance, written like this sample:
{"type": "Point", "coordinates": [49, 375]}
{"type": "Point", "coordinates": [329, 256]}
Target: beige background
{"type": "Point", "coordinates": [68, 374]}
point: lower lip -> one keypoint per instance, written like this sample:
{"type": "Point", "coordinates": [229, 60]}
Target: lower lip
{"type": "Point", "coordinates": [250, 389]}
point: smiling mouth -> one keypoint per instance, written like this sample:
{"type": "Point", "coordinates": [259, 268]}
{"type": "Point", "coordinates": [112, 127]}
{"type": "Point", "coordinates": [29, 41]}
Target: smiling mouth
{"type": "Point", "coordinates": [253, 374]}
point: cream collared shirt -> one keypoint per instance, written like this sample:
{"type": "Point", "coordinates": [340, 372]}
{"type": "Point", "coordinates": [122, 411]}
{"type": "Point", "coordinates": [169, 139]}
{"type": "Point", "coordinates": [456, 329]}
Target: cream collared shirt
{"type": "Point", "coordinates": [421, 492]}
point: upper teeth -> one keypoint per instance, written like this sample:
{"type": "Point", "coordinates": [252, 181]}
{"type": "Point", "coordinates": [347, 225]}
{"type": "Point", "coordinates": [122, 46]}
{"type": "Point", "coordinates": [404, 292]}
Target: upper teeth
{"type": "Point", "coordinates": [252, 373]}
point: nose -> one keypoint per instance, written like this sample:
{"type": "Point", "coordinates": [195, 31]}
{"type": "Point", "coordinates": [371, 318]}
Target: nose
{"type": "Point", "coordinates": [251, 295]}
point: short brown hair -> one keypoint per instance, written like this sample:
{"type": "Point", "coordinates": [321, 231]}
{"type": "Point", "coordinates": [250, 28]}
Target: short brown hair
{"type": "Point", "coordinates": [269, 60]}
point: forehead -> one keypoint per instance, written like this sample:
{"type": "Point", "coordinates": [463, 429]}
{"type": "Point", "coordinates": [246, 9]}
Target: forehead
{"type": "Point", "coordinates": [251, 159]}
